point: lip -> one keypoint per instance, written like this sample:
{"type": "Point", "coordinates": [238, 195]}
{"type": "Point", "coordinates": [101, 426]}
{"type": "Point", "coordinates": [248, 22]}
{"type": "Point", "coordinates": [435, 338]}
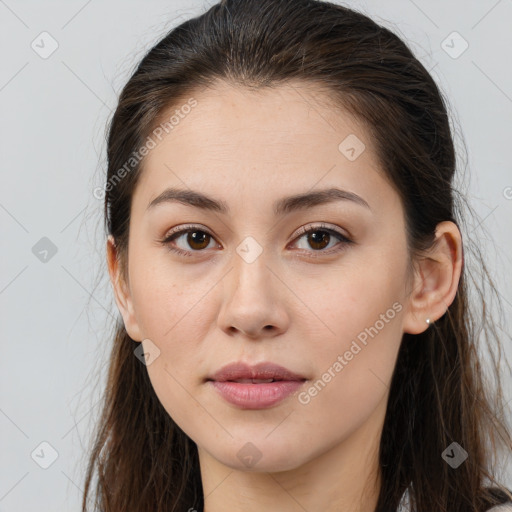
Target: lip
{"type": "Point", "coordinates": [265, 370]}
{"type": "Point", "coordinates": [253, 395]}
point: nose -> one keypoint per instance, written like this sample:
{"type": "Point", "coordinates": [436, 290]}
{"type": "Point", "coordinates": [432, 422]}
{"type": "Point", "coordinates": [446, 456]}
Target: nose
{"type": "Point", "coordinates": [254, 298]}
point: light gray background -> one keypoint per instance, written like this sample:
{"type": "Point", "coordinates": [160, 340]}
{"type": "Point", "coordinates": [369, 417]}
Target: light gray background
{"type": "Point", "coordinates": [53, 116]}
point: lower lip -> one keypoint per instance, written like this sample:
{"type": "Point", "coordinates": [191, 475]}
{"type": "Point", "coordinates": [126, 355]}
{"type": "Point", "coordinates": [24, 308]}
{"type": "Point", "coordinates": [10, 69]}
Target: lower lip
{"type": "Point", "coordinates": [256, 396]}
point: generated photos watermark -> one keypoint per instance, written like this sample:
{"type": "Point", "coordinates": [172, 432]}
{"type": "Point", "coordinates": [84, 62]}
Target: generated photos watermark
{"type": "Point", "coordinates": [306, 396]}
{"type": "Point", "coordinates": [136, 156]}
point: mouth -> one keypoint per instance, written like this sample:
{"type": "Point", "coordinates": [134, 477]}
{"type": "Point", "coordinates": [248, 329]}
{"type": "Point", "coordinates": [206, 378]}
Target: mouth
{"type": "Point", "coordinates": [255, 387]}
{"type": "Point", "coordinates": [254, 381]}
{"type": "Point", "coordinates": [260, 373]}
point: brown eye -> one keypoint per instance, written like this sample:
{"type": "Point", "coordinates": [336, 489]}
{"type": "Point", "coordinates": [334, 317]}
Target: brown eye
{"type": "Point", "coordinates": [197, 239]}
{"type": "Point", "coordinates": [319, 237]}
{"type": "Point", "coordinates": [318, 241]}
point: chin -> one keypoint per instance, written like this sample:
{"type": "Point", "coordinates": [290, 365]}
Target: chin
{"type": "Point", "coordinates": [260, 456]}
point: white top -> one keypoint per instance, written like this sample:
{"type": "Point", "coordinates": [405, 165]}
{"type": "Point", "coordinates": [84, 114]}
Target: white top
{"type": "Point", "coordinates": [404, 505]}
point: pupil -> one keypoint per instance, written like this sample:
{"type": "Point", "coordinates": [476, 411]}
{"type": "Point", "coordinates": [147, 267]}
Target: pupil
{"type": "Point", "coordinates": [195, 238]}
{"type": "Point", "coordinates": [319, 241]}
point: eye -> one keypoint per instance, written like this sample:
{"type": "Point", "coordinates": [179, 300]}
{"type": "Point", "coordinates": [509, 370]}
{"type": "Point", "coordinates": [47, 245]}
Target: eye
{"type": "Point", "coordinates": [197, 239]}
{"type": "Point", "coordinates": [318, 237]}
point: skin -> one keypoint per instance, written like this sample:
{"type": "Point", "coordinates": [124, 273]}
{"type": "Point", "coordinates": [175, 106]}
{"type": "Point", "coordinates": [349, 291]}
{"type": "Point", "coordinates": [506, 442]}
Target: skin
{"type": "Point", "coordinates": [249, 149]}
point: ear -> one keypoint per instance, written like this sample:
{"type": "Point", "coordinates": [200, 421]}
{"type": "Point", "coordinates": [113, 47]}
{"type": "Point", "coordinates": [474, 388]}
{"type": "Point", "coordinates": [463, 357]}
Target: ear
{"type": "Point", "coordinates": [436, 279]}
{"type": "Point", "coordinates": [122, 292]}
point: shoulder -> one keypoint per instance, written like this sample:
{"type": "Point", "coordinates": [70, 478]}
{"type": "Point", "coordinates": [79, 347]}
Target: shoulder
{"type": "Point", "coordinates": [500, 495]}
{"type": "Point", "coordinates": [504, 507]}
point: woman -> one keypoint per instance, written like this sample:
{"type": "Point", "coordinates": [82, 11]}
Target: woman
{"type": "Point", "coordinates": [285, 253]}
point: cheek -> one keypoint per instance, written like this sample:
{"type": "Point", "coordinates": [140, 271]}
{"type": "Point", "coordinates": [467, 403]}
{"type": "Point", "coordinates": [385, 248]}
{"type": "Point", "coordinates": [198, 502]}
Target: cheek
{"type": "Point", "coordinates": [168, 310]}
{"type": "Point", "coordinates": [356, 333]}
{"type": "Point", "coordinates": [171, 308]}
{"type": "Point", "coordinates": [343, 302]}
{"type": "Point", "coordinates": [166, 300]}
{"type": "Point", "coordinates": [353, 376]}
{"type": "Point", "coordinates": [171, 388]}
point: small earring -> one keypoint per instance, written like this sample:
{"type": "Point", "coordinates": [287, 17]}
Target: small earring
{"type": "Point", "coordinates": [428, 321]}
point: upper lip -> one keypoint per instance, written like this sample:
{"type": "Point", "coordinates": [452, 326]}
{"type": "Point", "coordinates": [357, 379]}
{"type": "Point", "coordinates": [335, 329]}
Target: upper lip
{"type": "Point", "coordinates": [240, 370]}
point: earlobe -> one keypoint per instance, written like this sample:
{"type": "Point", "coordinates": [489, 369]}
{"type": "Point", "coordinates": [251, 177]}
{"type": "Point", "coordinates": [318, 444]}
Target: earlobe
{"type": "Point", "coordinates": [436, 280]}
{"type": "Point", "coordinates": [121, 292]}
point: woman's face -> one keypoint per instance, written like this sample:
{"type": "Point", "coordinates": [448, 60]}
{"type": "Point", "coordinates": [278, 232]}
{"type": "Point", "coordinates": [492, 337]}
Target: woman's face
{"type": "Point", "coordinates": [251, 287]}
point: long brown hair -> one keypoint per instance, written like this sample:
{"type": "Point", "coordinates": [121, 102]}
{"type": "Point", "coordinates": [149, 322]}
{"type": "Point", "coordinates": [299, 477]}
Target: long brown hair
{"type": "Point", "coordinates": [439, 392]}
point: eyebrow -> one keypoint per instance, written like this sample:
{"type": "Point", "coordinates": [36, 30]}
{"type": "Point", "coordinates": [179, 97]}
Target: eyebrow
{"type": "Point", "coordinates": [281, 207]}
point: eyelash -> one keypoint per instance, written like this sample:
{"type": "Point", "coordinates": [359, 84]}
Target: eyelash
{"type": "Point", "coordinates": [344, 241]}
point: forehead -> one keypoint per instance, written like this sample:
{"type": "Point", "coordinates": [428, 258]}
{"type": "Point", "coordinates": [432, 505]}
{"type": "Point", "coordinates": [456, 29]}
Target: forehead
{"type": "Point", "coordinates": [288, 138]}
{"type": "Point", "coordinates": [231, 116]}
